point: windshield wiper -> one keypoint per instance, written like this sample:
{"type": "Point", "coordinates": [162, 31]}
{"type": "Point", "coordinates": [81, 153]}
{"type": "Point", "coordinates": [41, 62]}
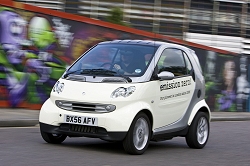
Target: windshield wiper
{"type": "Point", "coordinates": [67, 74]}
{"type": "Point", "coordinates": [98, 71]}
{"type": "Point", "coordinates": [91, 71]}
{"type": "Point", "coordinates": [123, 76]}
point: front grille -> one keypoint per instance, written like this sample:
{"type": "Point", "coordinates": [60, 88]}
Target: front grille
{"type": "Point", "coordinates": [84, 107]}
{"type": "Point", "coordinates": [82, 129]}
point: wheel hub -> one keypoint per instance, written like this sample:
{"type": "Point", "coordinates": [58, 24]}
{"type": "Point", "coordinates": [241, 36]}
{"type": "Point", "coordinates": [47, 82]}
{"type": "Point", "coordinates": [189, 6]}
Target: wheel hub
{"type": "Point", "coordinates": [141, 133]}
{"type": "Point", "coordinates": [202, 131]}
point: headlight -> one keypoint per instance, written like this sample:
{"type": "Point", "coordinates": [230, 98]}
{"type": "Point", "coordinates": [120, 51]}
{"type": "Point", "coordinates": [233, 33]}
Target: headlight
{"type": "Point", "coordinates": [124, 92]}
{"type": "Point", "coordinates": [58, 87]}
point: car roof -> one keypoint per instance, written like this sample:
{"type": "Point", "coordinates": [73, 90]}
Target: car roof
{"type": "Point", "coordinates": [147, 42]}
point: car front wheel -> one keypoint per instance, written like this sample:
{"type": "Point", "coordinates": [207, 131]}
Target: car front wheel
{"type": "Point", "coordinates": [138, 136]}
{"type": "Point", "coordinates": [53, 138]}
{"type": "Point", "coordinates": [198, 133]}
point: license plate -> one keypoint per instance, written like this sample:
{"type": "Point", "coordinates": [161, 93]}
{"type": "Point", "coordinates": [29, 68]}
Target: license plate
{"type": "Point", "coordinates": [81, 120]}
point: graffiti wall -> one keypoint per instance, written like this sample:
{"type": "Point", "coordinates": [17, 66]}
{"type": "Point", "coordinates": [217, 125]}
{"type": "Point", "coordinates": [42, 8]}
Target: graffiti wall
{"type": "Point", "coordinates": [227, 80]}
{"type": "Point", "coordinates": [36, 47]}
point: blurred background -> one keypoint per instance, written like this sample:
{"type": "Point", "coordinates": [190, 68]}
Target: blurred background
{"type": "Point", "coordinates": [40, 39]}
{"type": "Point", "coordinates": [221, 24]}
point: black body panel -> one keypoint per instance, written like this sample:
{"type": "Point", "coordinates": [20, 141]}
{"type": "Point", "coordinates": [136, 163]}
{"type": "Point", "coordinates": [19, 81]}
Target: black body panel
{"type": "Point", "coordinates": [83, 131]}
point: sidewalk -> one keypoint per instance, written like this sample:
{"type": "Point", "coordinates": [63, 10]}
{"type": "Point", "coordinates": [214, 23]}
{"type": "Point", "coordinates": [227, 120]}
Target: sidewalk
{"type": "Point", "coordinates": [18, 117]}
{"type": "Point", "coordinates": [25, 118]}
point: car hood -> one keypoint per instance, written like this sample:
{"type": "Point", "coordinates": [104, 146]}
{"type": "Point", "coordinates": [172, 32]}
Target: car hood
{"type": "Point", "coordinates": [93, 92]}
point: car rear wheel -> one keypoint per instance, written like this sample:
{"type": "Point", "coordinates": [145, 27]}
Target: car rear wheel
{"type": "Point", "coordinates": [53, 138]}
{"type": "Point", "coordinates": [198, 133]}
{"type": "Point", "coordinates": [138, 136]}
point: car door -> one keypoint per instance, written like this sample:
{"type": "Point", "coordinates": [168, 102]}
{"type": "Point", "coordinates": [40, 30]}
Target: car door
{"type": "Point", "coordinates": [173, 96]}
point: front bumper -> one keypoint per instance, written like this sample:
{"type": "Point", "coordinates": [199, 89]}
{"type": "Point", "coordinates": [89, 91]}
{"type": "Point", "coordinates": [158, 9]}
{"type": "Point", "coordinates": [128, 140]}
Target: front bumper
{"type": "Point", "coordinates": [72, 130]}
{"type": "Point", "coordinates": [113, 122]}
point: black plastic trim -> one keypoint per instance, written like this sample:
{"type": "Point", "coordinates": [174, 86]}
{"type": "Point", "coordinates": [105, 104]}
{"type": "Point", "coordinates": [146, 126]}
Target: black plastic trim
{"type": "Point", "coordinates": [166, 136]}
{"type": "Point", "coordinates": [91, 131]}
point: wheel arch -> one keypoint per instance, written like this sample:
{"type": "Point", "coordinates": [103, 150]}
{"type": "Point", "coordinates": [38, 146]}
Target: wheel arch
{"type": "Point", "coordinates": [149, 114]}
{"type": "Point", "coordinates": [199, 107]}
{"type": "Point", "coordinates": [150, 117]}
{"type": "Point", "coordinates": [131, 142]}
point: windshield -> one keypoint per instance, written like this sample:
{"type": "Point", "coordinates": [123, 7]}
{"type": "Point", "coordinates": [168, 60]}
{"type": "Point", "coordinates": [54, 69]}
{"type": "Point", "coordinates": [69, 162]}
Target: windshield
{"type": "Point", "coordinates": [114, 60]}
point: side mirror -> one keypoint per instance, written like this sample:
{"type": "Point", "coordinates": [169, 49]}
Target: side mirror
{"type": "Point", "coordinates": [165, 75]}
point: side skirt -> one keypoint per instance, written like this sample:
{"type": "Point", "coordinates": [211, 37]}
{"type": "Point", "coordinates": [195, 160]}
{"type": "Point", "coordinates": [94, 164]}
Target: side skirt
{"type": "Point", "coordinates": [167, 136]}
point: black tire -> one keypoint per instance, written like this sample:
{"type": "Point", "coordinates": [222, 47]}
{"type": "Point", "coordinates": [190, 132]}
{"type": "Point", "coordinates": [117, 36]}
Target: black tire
{"type": "Point", "coordinates": [138, 136]}
{"type": "Point", "coordinates": [53, 138]}
{"type": "Point", "coordinates": [198, 132]}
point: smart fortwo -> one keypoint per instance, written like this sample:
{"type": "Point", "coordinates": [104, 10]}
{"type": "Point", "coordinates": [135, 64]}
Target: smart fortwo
{"type": "Point", "coordinates": [132, 91]}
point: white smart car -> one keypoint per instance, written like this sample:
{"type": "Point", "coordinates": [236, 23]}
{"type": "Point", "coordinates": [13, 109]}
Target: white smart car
{"type": "Point", "coordinates": [134, 91]}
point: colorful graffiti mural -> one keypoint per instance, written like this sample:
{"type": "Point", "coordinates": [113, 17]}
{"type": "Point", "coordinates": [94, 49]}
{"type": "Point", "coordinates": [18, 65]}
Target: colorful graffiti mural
{"type": "Point", "coordinates": [36, 48]}
{"type": "Point", "coordinates": [227, 81]}
{"type": "Point", "coordinates": [29, 65]}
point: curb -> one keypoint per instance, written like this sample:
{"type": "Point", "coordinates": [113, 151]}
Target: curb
{"type": "Point", "coordinates": [216, 119]}
{"type": "Point", "coordinates": [19, 123]}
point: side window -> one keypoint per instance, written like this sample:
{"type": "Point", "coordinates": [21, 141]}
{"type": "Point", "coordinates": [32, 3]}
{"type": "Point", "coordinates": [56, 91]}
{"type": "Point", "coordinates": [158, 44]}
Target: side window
{"type": "Point", "coordinates": [172, 60]}
{"type": "Point", "coordinates": [188, 63]}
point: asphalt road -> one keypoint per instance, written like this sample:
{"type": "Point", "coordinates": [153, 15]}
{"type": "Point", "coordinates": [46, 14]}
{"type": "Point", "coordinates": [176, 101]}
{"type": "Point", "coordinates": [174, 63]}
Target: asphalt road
{"type": "Point", "coordinates": [228, 145]}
